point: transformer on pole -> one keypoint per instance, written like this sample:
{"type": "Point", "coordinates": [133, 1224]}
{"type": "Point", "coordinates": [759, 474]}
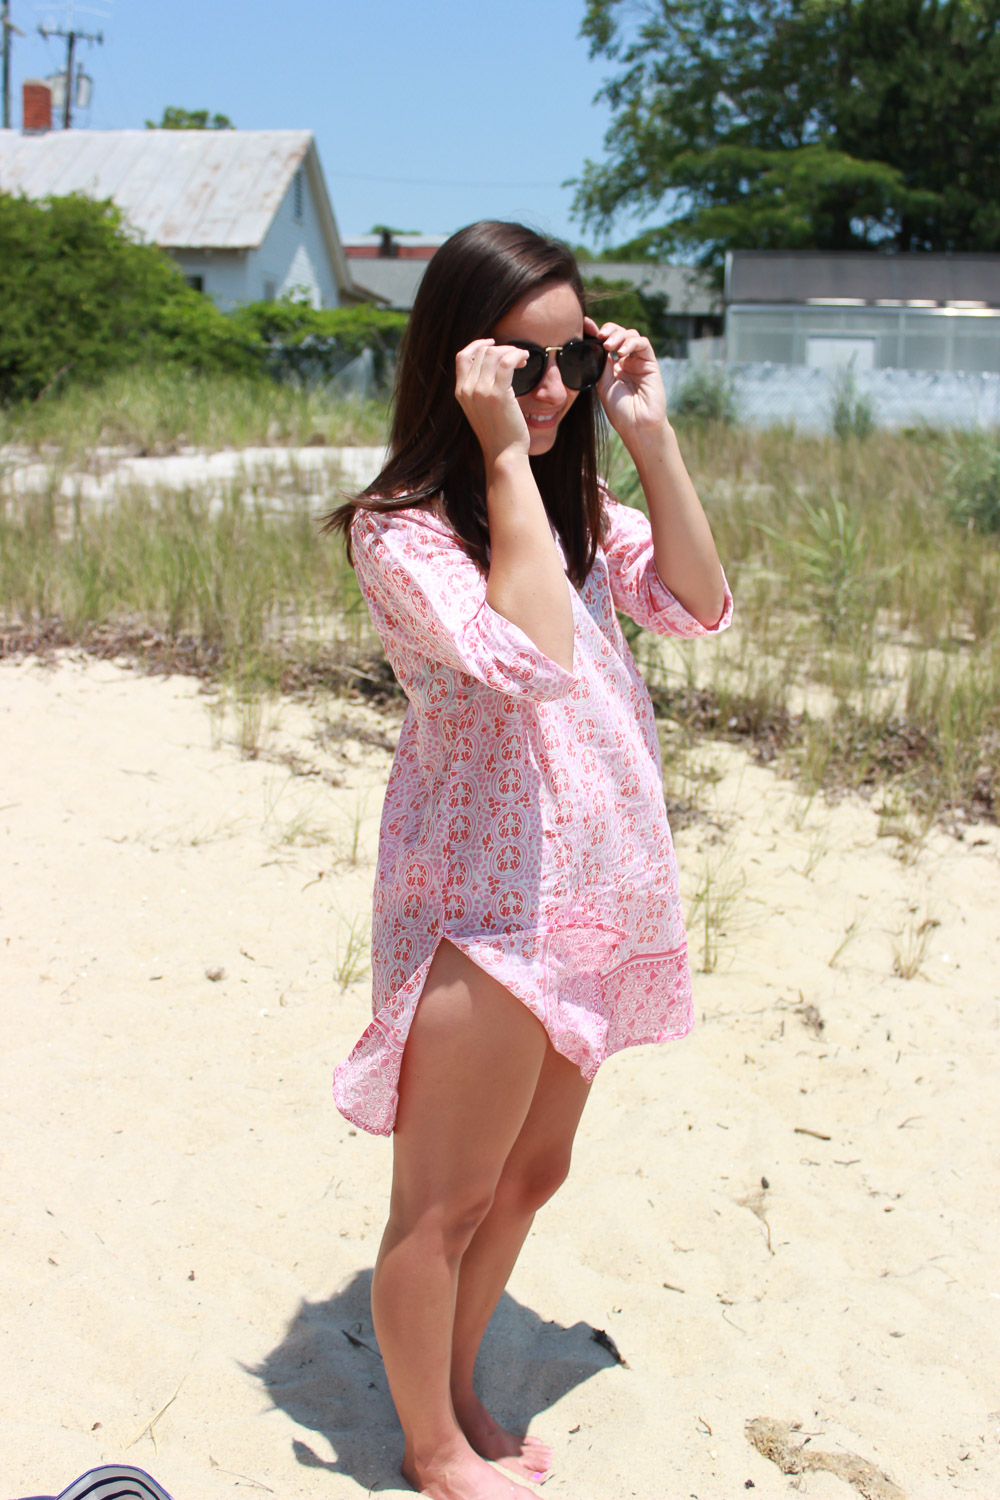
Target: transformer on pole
{"type": "Point", "coordinates": [72, 36]}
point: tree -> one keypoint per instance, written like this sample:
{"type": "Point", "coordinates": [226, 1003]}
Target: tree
{"type": "Point", "coordinates": [799, 124]}
{"type": "Point", "coordinates": [190, 119]}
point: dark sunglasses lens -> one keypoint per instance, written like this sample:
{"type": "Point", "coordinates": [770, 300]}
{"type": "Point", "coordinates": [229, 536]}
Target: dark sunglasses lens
{"type": "Point", "coordinates": [527, 377]}
{"type": "Point", "coordinates": [582, 362]}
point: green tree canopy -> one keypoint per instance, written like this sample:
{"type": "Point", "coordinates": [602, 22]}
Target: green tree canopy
{"type": "Point", "coordinates": [190, 119]}
{"type": "Point", "coordinates": [799, 124]}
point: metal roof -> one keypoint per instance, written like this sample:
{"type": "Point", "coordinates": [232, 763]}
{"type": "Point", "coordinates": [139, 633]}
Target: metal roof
{"type": "Point", "coordinates": [395, 279]}
{"type": "Point", "coordinates": [389, 279]}
{"type": "Point", "coordinates": [860, 276]}
{"type": "Point", "coordinates": [177, 188]}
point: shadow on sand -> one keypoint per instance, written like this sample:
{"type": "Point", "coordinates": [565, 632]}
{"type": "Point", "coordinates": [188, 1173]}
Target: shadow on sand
{"type": "Point", "coordinates": [327, 1375]}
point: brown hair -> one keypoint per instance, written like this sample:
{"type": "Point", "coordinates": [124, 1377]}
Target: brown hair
{"type": "Point", "coordinates": [474, 279]}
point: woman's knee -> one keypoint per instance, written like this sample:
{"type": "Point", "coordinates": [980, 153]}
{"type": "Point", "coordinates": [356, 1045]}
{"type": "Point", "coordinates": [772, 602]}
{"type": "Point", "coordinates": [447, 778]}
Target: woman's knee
{"type": "Point", "coordinates": [527, 1184]}
{"type": "Point", "coordinates": [449, 1217]}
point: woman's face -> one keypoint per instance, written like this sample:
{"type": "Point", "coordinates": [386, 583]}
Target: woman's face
{"type": "Point", "coordinates": [550, 317]}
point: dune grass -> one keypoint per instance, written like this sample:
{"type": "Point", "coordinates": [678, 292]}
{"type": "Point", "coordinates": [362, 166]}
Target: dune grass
{"type": "Point", "coordinates": [161, 410]}
{"type": "Point", "coordinates": [866, 651]}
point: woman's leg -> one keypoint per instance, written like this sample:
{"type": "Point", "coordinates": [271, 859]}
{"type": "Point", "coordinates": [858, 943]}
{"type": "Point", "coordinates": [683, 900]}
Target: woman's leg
{"type": "Point", "coordinates": [471, 1063]}
{"type": "Point", "coordinates": [537, 1165]}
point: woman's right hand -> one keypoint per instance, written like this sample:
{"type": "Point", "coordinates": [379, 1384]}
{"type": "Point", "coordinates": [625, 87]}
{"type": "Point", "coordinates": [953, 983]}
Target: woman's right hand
{"type": "Point", "coordinates": [484, 370]}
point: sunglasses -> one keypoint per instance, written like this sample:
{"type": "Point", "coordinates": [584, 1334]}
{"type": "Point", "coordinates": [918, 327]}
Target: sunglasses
{"type": "Point", "coordinates": [580, 363]}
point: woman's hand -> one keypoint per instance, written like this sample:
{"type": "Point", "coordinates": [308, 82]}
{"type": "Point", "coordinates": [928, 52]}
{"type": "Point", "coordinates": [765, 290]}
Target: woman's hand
{"type": "Point", "coordinates": [631, 387]}
{"type": "Point", "coordinates": [484, 371]}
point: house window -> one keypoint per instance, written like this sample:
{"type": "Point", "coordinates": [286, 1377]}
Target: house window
{"type": "Point", "coordinates": [297, 192]}
{"type": "Point", "coordinates": [270, 289]}
{"type": "Point", "coordinates": [196, 283]}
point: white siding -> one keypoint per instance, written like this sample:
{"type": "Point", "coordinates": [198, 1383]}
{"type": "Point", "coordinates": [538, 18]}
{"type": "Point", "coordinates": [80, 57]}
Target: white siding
{"type": "Point", "coordinates": [294, 253]}
{"type": "Point", "coordinates": [223, 273]}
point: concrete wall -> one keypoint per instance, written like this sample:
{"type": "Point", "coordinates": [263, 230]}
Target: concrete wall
{"type": "Point", "coordinates": [767, 394]}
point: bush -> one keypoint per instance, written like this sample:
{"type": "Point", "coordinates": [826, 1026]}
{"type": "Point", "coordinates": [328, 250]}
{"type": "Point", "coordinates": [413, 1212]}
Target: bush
{"type": "Point", "coordinates": [705, 395]}
{"type": "Point", "coordinates": [973, 486]}
{"type": "Point", "coordinates": [312, 345]}
{"type": "Point", "coordinates": [622, 302]}
{"type": "Point", "coordinates": [79, 297]}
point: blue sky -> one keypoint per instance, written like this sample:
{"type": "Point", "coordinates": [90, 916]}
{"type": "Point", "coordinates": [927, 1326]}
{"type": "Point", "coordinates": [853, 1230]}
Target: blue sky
{"type": "Point", "coordinates": [427, 115]}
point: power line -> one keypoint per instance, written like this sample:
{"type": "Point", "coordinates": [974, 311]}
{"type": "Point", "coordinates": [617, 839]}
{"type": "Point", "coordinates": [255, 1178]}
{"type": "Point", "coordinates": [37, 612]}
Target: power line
{"type": "Point", "coordinates": [439, 181]}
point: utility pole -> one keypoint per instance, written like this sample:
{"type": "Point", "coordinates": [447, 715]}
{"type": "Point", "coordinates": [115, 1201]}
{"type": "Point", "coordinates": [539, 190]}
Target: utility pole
{"type": "Point", "coordinates": [7, 26]}
{"type": "Point", "coordinates": [72, 37]}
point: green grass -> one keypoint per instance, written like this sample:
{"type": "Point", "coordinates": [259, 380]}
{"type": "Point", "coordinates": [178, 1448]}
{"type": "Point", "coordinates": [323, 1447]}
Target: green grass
{"type": "Point", "coordinates": [866, 648]}
{"type": "Point", "coordinates": [255, 599]}
{"type": "Point", "coordinates": [160, 410]}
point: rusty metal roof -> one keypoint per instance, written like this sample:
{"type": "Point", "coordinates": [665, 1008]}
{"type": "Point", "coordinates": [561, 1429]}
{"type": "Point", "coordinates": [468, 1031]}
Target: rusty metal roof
{"type": "Point", "coordinates": [177, 188]}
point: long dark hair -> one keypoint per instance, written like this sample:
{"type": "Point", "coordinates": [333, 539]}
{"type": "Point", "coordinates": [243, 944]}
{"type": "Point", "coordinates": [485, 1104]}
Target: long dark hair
{"type": "Point", "coordinates": [435, 460]}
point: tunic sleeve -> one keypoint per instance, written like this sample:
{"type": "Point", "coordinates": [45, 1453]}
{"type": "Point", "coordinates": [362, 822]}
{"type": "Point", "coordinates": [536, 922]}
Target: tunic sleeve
{"type": "Point", "coordinates": [636, 586]}
{"type": "Point", "coordinates": [426, 595]}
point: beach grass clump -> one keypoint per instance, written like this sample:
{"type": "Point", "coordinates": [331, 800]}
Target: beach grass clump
{"type": "Point", "coordinates": [866, 644]}
{"type": "Point", "coordinates": [222, 586]}
{"type": "Point", "coordinates": [852, 412]}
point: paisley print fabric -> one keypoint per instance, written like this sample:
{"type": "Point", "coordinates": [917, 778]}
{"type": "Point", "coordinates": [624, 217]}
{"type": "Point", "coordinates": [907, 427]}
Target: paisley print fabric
{"type": "Point", "coordinates": [524, 817]}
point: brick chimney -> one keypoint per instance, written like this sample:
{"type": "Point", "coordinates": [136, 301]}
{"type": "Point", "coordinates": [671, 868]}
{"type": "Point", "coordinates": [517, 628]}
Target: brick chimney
{"type": "Point", "coordinates": [36, 107]}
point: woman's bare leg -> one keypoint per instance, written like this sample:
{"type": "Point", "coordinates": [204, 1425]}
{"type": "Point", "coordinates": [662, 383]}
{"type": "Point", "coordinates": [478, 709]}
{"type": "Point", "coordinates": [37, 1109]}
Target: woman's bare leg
{"type": "Point", "coordinates": [536, 1167]}
{"type": "Point", "coordinates": [471, 1063]}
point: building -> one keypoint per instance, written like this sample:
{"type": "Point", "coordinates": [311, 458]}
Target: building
{"type": "Point", "coordinates": [694, 307]}
{"type": "Point", "coordinates": [245, 213]}
{"type": "Point", "coordinates": [869, 310]}
{"type": "Point", "coordinates": [390, 266]}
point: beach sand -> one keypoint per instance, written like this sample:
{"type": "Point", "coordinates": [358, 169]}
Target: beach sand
{"type": "Point", "coordinates": [790, 1215]}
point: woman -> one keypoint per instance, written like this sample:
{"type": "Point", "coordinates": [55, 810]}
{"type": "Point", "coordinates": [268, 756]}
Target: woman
{"type": "Point", "coordinates": [526, 891]}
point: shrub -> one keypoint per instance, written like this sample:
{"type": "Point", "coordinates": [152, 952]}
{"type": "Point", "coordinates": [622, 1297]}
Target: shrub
{"type": "Point", "coordinates": [973, 485]}
{"type": "Point", "coordinates": [79, 297]}
{"type": "Point", "coordinates": [313, 345]}
{"type": "Point", "coordinates": [623, 302]}
{"type": "Point", "coordinates": [705, 395]}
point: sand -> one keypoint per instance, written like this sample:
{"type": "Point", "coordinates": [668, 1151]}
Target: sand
{"type": "Point", "coordinates": [790, 1215]}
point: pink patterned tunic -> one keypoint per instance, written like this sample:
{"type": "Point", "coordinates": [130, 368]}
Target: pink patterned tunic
{"type": "Point", "coordinates": [524, 817]}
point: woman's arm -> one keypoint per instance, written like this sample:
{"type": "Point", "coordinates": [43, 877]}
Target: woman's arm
{"type": "Point", "coordinates": [526, 583]}
{"type": "Point", "coordinates": [632, 394]}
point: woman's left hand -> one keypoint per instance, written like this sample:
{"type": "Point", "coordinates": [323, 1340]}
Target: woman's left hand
{"type": "Point", "coordinates": [631, 387]}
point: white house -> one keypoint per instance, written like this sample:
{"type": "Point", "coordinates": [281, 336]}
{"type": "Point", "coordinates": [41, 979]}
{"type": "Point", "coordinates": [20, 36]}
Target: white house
{"type": "Point", "coordinates": [245, 213]}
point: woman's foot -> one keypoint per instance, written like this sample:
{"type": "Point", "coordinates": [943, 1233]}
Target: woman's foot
{"type": "Point", "coordinates": [459, 1474]}
{"type": "Point", "coordinates": [527, 1457]}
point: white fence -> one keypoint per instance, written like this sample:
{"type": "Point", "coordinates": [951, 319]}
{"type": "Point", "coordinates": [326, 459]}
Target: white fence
{"type": "Point", "coordinates": [765, 394]}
